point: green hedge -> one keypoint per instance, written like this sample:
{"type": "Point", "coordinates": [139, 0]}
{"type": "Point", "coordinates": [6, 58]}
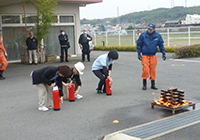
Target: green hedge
{"type": "Point", "coordinates": [187, 51]}
{"type": "Point", "coordinates": [128, 48]}
{"type": "Point", "coordinates": [180, 52]}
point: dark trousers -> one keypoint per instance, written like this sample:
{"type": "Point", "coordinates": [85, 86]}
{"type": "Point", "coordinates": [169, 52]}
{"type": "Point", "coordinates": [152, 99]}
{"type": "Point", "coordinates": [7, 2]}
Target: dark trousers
{"type": "Point", "coordinates": [83, 57]}
{"type": "Point", "coordinates": [85, 50]}
{"type": "Point", "coordinates": [64, 49]}
{"type": "Point", "coordinates": [102, 82]}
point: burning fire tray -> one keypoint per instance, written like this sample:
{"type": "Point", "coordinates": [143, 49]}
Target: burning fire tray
{"type": "Point", "coordinates": [172, 99]}
{"type": "Point", "coordinates": [174, 108]}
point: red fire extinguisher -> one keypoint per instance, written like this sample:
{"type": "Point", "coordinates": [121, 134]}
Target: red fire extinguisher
{"type": "Point", "coordinates": [71, 93]}
{"type": "Point", "coordinates": [108, 90]}
{"type": "Point", "coordinates": [56, 99]}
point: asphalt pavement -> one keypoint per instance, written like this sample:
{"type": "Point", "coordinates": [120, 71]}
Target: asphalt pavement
{"type": "Point", "coordinates": [93, 117]}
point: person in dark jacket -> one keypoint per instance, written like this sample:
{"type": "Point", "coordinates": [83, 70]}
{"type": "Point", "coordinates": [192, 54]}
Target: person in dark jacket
{"type": "Point", "coordinates": [102, 67]}
{"type": "Point", "coordinates": [147, 44]}
{"type": "Point", "coordinates": [64, 43]}
{"type": "Point", "coordinates": [32, 44]}
{"type": "Point", "coordinates": [46, 78]}
{"type": "Point", "coordinates": [84, 44]}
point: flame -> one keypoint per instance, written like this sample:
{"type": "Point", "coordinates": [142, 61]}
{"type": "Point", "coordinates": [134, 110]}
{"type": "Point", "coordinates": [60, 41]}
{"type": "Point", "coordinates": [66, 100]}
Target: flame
{"type": "Point", "coordinates": [185, 102]}
{"type": "Point", "coordinates": [170, 100]}
{"type": "Point", "coordinates": [157, 102]}
{"type": "Point", "coordinates": [162, 102]}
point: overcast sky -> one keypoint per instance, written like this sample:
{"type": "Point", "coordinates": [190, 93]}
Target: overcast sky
{"type": "Point", "coordinates": [113, 8]}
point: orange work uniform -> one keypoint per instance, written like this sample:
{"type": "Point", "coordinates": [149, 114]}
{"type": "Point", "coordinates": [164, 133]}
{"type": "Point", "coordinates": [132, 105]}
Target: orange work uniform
{"type": "Point", "coordinates": [149, 67]}
{"type": "Point", "coordinates": [3, 60]}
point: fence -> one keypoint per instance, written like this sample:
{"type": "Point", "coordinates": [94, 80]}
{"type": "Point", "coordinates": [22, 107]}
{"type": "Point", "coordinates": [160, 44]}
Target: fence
{"type": "Point", "coordinates": [176, 36]}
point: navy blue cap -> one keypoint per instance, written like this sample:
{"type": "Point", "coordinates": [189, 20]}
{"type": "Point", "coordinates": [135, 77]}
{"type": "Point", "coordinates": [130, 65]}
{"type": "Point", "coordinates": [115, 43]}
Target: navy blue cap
{"type": "Point", "coordinates": [151, 26]}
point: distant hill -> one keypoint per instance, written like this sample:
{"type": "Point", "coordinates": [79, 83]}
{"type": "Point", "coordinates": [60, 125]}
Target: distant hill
{"type": "Point", "coordinates": [159, 15]}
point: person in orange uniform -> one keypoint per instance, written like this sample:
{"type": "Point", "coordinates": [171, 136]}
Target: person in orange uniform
{"type": "Point", "coordinates": [147, 44]}
{"type": "Point", "coordinates": [3, 56]}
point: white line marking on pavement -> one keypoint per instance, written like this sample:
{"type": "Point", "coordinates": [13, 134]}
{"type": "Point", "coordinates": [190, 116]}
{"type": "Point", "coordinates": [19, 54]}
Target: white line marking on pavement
{"type": "Point", "coordinates": [178, 65]}
{"type": "Point", "coordinates": [184, 60]}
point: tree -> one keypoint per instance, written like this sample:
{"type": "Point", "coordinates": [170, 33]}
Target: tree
{"type": "Point", "coordinates": [102, 28]}
{"type": "Point", "coordinates": [130, 27]}
{"type": "Point", "coordinates": [45, 17]}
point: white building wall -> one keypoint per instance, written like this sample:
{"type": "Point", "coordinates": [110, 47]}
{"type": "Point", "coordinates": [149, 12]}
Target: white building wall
{"type": "Point", "coordinates": [65, 9]}
{"type": "Point", "coordinates": [17, 9]}
{"type": "Point", "coordinates": [192, 19]}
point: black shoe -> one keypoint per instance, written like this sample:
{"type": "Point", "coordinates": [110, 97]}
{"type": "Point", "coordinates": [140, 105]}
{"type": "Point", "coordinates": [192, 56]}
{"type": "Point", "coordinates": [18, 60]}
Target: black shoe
{"type": "Point", "coordinates": [144, 88]}
{"type": "Point", "coordinates": [35, 63]}
{"type": "Point", "coordinates": [99, 91]}
{"type": "Point", "coordinates": [67, 61]}
{"type": "Point", "coordinates": [2, 78]}
{"type": "Point", "coordinates": [144, 84]}
{"type": "Point", "coordinates": [153, 85]}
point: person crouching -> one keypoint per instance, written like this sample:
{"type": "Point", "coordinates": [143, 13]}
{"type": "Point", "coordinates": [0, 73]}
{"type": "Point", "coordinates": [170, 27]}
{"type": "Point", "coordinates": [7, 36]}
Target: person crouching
{"type": "Point", "coordinates": [45, 79]}
{"type": "Point", "coordinates": [102, 67]}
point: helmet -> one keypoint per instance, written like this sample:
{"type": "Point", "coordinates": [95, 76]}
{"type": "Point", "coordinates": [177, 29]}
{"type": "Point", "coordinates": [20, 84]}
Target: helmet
{"type": "Point", "coordinates": [80, 67]}
{"type": "Point", "coordinates": [113, 54]}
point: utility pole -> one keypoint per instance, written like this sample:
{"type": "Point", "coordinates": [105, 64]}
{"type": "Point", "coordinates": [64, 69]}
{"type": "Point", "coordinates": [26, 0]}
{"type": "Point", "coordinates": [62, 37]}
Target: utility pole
{"type": "Point", "coordinates": [118, 20]}
{"type": "Point", "coordinates": [172, 3]}
{"type": "Point", "coordinates": [185, 3]}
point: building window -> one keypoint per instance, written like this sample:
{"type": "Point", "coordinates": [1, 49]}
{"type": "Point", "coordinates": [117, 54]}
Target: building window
{"type": "Point", "coordinates": [10, 19]}
{"type": "Point", "coordinates": [33, 19]}
{"type": "Point", "coordinates": [30, 19]}
{"type": "Point", "coordinates": [66, 19]}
